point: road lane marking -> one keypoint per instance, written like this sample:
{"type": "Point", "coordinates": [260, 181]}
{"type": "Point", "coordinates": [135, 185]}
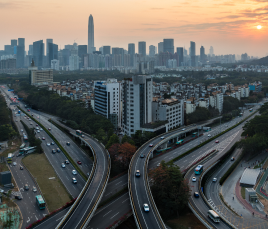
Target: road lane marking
{"type": "Point", "coordinates": [115, 215]}
{"type": "Point", "coordinates": [107, 213]}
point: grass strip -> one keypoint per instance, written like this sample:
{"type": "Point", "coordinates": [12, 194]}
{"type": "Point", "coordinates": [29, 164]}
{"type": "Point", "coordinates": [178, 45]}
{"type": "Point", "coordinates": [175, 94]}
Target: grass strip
{"type": "Point", "coordinates": [53, 190]}
{"type": "Point", "coordinates": [209, 140]}
{"type": "Point", "coordinates": [119, 193]}
{"type": "Point", "coordinates": [59, 145]}
{"type": "Point", "coordinates": [243, 192]}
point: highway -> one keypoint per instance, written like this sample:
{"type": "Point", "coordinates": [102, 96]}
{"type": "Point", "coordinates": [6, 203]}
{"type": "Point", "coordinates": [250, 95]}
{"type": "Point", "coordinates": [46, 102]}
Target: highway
{"type": "Point", "coordinates": [139, 190]}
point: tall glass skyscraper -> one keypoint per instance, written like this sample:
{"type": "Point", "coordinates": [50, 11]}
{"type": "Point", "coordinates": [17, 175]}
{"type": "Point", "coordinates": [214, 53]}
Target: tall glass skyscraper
{"type": "Point", "coordinates": [142, 48]}
{"type": "Point", "coordinates": [168, 45]}
{"type": "Point", "coordinates": [192, 49]}
{"type": "Point", "coordinates": [180, 56]}
{"type": "Point", "coordinates": [131, 52]}
{"type": "Point", "coordinates": [90, 34]}
{"type": "Point", "coordinates": [38, 53]}
{"type": "Point", "coordinates": [20, 53]}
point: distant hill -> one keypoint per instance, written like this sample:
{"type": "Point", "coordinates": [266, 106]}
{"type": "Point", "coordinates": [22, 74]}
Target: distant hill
{"type": "Point", "coordinates": [262, 61]}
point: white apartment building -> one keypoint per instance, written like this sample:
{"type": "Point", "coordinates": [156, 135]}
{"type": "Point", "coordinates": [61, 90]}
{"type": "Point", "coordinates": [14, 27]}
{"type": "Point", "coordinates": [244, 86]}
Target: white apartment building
{"type": "Point", "coordinates": [73, 62]}
{"type": "Point", "coordinates": [203, 102]}
{"type": "Point", "coordinates": [107, 100]}
{"type": "Point", "coordinates": [219, 102]}
{"type": "Point", "coordinates": [171, 110]}
{"type": "Point", "coordinates": [136, 103]}
{"type": "Point", "coordinates": [190, 108]}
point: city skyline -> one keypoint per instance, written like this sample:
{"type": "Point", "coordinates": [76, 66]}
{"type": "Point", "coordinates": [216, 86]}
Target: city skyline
{"type": "Point", "coordinates": [228, 27]}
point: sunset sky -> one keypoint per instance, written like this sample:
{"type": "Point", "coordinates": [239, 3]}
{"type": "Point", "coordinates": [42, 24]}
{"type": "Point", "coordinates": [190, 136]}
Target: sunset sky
{"type": "Point", "coordinates": [229, 26]}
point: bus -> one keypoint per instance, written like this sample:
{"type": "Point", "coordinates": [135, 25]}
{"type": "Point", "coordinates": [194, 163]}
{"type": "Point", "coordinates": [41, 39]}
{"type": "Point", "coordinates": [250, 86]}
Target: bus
{"type": "Point", "coordinates": [25, 138]}
{"type": "Point", "coordinates": [214, 216]}
{"type": "Point", "coordinates": [194, 134]}
{"type": "Point", "coordinates": [251, 109]}
{"type": "Point", "coordinates": [198, 169]}
{"type": "Point", "coordinates": [40, 202]}
{"type": "Point", "coordinates": [179, 142]}
{"type": "Point", "coordinates": [27, 150]}
{"type": "Point", "coordinates": [22, 146]}
{"type": "Point", "coordinates": [241, 114]}
{"type": "Point", "coordinates": [78, 132]}
{"type": "Point", "coordinates": [9, 158]}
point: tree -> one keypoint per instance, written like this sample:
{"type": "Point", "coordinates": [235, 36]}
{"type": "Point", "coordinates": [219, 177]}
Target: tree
{"type": "Point", "coordinates": [113, 139]}
{"type": "Point", "coordinates": [126, 151]}
{"type": "Point", "coordinates": [169, 189]}
{"type": "Point", "coordinates": [230, 104]}
{"type": "Point", "coordinates": [101, 135]}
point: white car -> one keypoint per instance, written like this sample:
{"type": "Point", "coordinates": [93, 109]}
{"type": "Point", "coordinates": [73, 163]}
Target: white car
{"type": "Point", "coordinates": [48, 144]}
{"type": "Point", "coordinates": [158, 164]}
{"type": "Point", "coordinates": [146, 207]}
{"type": "Point", "coordinates": [38, 131]}
{"type": "Point", "coordinates": [21, 130]}
{"type": "Point", "coordinates": [209, 135]}
{"type": "Point", "coordinates": [214, 179]}
{"type": "Point", "coordinates": [193, 179]}
{"type": "Point", "coordinates": [183, 129]}
{"type": "Point", "coordinates": [41, 129]}
{"type": "Point", "coordinates": [14, 163]}
{"type": "Point", "coordinates": [162, 137]}
{"type": "Point", "coordinates": [62, 165]}
{"type": "Point", "coordinates": [74, 172]}
{"type": "Point", "coordinates": [74, 180]}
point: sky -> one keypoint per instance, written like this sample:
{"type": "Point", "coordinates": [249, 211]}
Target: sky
{"type": "Point", "coordinates": [230, 26]}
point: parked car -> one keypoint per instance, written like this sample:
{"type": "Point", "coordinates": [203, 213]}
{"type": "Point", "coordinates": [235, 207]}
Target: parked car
{"type": "Point", "coordinates": [18, 197]}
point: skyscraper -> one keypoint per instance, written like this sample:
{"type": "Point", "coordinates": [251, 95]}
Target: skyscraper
{"type": "Point", "coordinates": [202, 54]}
{"type": "Point", "coordinates": [180, 56]}
{"type": "Point", "coordinates": [106, 50]}
{"type": "Point", "coordinates": [160, 47]}
{"type": "Point", "coordinates": [211, 51]}
{"type": "Point", "coordinates": [47, 49]}
{"type": "Point", "coordinates": [168, 45]}
{"type": "Point", "coordinates": [90, 35]}
{"type": "Point", "coordinates": [82, 51]}
{"type": "Point", "coordinates": [152, 50]}
{"type": "Point", "coordinates": [192, 49]}
{"type": "Point", "coordinates": [131, 52]}
{"type": "Point", "coordinates": [20, 52]}
{"type": "Point", "coordinates": [142, 48]}
{"type": "Point", "coordinates": [38, 53]}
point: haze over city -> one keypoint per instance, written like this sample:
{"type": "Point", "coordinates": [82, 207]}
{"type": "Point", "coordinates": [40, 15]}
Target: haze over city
{"type": "Point", "coordinates": [231, 27]}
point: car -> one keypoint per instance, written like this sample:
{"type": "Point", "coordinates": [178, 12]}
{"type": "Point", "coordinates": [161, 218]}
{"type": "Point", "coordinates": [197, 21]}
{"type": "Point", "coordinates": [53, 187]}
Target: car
{"type": "Point", "coordinates": [217, 141]}
{"type": "Point", "coordinates": [162, 137]}
{"type": "Point", "coordinates": [183, 129]}
{"type": "Point", "coordinates": [43, 138]}
{"type": "Point", "coordinates": [232, 158]}
{"type": "Point", "coordinates": [21, 168]}
{"type": "Point", "coordinates": [74, 180]}
{"type": "Point", "coordinates": [14, 163]}
{"type": "Point", "coordinates": [158, 164]}
{"type": "Point", "coordinates": [48, 144]}
{"type": "Point", "coordinates": [214, 179]}
{"type": "Point", "coordinates": [194, 179]}
{"type": "Point", "coordinates": [34, 189]}
{"type": "Point", "coordinates": [74, 172]}
{"type": "Point", "coordinates": [209, 135]}
{"type": "Point", "coordinates": [58, 150]}
{"type": "Point", "coordinates": [41, 129]}
{"type": "Point", "coordinates": [39, 138]}
{"type": "Point", "coordinates": [67, 143]}
{"type": "Point", "coordinates": [151, 145]}
{"type": "Point", "coordinates": [53, 151]}
{"type": "Point", "coordinates": [38, 131]}
{"type": "Point", "coordinates": [196, 194]}
{"type": "Point", "coordinates": [49, 128]}
{"type": "Point", "coordinates": [142, 155]}
{"type": "Point", "coordinates": [18, 197]}
{"type": "Point", "coordinates": [79, 162]}
{"type": "Point", "coordinates": [37, 128]}
{"type": "Point", "coordinates": [67, 162]}
{"type": "Point", "coordinates": [146, 207]}
{"type": "Point", "coordinates": [31, 123]}
{"type": "Point", "coordinates": [82, 136]}
{"type": "Point", "coordinates": [52, 143]}
{"type": "Point", "coordinates": [138, 174]}
{"type": "Point", "coordinates": [62, 165]}
{"type": "Point", "coordinates": [36, 124]}
{"type": "Point", "coordinates": [26, 187]}
{"type": "Point", "coordinates": [21, 130]}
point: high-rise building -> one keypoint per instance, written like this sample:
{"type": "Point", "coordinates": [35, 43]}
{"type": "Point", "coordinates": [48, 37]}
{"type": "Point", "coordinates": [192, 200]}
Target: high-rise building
{"type": "Point", "coordinates": [90, 35]}
{"type": "Point", "coordinates": [152, 50]}
{"type": "Point", "coordinates": [168, 45]}
{"type": "Point", "coordinates": [47, 46]}
{"type": "Point", "coordinates": [108, 100]}
{"type": "Point", "coordinates": [106, 50]}
{"type": "Point", "coordinates": [192, 54]}
{"type": "Point", "coordinates": [142, 48]}
{"type": "Point", "coordinates": [211, 51]}
{"type": "Point", "coordinates": [30, 51]}
{"type": "Point", "coordinates": [38, 53]}
{"type": "Point", "coordinates": [137, 95]}
{"type": "Point", "coordinates": [160, 47]}
{"type": "Point", "coordinates": [180, 56]}
{"type": "Point", "coordinates": [20, 52]}
{"type": "Point", "coordinates": [82, 51]}
{"type": "Point", "coordinates": [131, 52]}
{"type": "Point", "coordinates": [52, 52]}
{"type": "Point", "coordinates": [37, 77]}
{"type": "Point", "coordinates": [14, 42]}
{"type": "Point", "coordinates": [73, 62]}
{"type": "Point", "coordinates": [202, 54]}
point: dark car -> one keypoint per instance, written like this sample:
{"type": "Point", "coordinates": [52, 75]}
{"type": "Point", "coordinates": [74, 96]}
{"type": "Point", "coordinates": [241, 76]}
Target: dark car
{"type": "Point", "coordinates": [79, 162]}
{"type": "Point", "coordinates": [67, 143]}
{"type": "Point", "coordinates": [142, 156]}
{"type": "Point", "coordinates": [21, 168]}
{"type": "Point", "coordinates": [18, 197]}
{"type": "Point", "coordinates": [67, 162]}
{"type": "Point", "coordinates": [53, 151]}
{"type": "Point", "coordinates": [232, 158]}
{"type": "Point", "coordinates": [196, 194]}
{"type": "Point", "coordinates": [58, 150]}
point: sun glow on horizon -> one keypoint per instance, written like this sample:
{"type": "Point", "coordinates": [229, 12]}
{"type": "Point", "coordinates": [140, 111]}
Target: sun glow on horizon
{"type": "Point", "coordinates": [259, 27]}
